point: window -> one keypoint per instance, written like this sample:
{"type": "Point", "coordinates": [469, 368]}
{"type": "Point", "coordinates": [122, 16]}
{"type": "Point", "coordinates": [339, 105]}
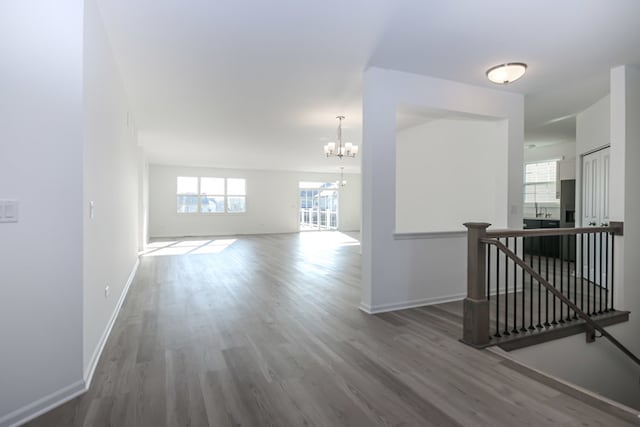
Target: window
{"type": "Point", "coordinates": [236, 195]}
{"type": "Point", "coordinates": [187, 194]}
{"type": "Point", "coordinates": [211, 195]}
{"type": "Point", "coordinates": [540, 182]}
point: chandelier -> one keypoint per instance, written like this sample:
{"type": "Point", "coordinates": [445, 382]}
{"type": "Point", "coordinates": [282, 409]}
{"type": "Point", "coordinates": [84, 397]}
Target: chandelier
{"type": "Point", "coordinates": [346, 150]}
{"type": "Point", "coordinates": [342, 181]}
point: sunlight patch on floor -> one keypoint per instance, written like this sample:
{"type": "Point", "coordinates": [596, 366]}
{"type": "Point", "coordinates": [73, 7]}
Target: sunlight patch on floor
{"type": "Point", "coordinates": [186, 247]}
{"type": "Point", "coordinates": [328, 239]}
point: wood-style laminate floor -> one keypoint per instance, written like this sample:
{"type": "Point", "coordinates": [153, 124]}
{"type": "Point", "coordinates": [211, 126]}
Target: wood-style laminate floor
{"type": "Point", "coordinates": [265, 331]}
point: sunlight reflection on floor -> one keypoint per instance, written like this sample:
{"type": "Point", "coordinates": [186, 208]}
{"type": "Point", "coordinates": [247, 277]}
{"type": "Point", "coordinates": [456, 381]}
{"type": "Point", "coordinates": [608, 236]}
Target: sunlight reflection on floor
{"type": "Point", "coordinates": [328, 238]}
{"type": "Point", "coordinates": [186, 247]}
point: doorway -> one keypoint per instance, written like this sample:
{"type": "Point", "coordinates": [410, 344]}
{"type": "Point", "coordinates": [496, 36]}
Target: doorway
{"type": "Point", "coordinates": [318, 206]}
{"type": "Point", "coordinates": [595, 209]}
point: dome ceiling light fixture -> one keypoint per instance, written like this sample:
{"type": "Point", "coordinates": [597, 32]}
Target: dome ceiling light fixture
{"type": "Point", "coordinates": [506, 73]}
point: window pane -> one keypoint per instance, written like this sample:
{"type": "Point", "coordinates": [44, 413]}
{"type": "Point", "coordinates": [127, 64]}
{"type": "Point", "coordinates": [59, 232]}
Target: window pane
{"type": "Point", "coordinates": [237, 204]}
{"type": "Point", "coordinates": [213, 186]}
{"type": "Point", "coordinates": [540, 172]}
{"type": "Point", "coordinates": [211, 204]}
{"type": "Point", "coordinates": [236, 187]}
{"type": "Point", "coordinates": [187, 185]}
{"type": "Point", "coordinates": [187, 204]}
{"type": "Point", "coordinates": [540, 193]}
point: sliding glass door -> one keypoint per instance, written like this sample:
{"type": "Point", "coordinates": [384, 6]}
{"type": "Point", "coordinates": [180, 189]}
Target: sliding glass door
{"type": "Point", "coordinates": [318, 206]}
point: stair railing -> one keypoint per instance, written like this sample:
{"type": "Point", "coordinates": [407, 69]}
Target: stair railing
{"type": "Point", "coordinates": [476, 329]}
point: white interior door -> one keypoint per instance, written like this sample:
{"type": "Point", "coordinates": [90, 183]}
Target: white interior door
{"type": "Point", "coordinates": [595, 209]}
{"type": "Point", "coordinates": [595, 188]}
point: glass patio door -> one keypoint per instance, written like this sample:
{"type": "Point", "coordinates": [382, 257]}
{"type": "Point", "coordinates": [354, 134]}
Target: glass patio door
{"type": "Point", "coordinates": [318, 206]}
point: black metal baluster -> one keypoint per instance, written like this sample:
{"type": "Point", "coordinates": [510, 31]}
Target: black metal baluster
{"type": "Point", "coordinates": [497, 334]}
{"type": "Point", "coordinates": [581, 272]}
{"type": "Point", "coordinates": [589, 278]}
{"type": "Point", "coordinates": [613, 246]}
{"type": "Point", "coordinates": [554, 322]}
{"type": "Point", "coordinates": [531, 327]}
{"type": "Point", "coordinates": [539, 325]}
{"type": "Point", "coordinates": [600, 274]}
{"type": "Point", "coordinates": [575, 278]}
{"type": "Point", "coordinates": [488, 282]}
{"type": "Point", "coordinates": [506, 291]}
{"type": "Point", "coordinates": [562, 278]}
{"type": "Point", "coordinates": [546, 290]}
{"type": "Point", "coordinates": [515, 288]}
{"type": "Point", "coordinates": [523, 328]}
{"type": "Point", "coordinates": [489, 273]}
{"type": "Point", "coordinates": [606, 273]}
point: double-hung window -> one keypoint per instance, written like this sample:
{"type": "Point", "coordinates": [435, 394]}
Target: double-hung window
{"type": "Point", "coordinates": [540, 182]}
{"type": "Point", "coordinates": [236, 195]}
{"type": "Point", "coordinates": [211, 195]}
{"type": "Point", "coordinates": [187, 194]}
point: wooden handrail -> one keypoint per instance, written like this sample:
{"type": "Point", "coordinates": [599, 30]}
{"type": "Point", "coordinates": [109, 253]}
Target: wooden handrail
{"type": "Point", "coordinates": [614, 227]}
{"type": "Point", "coordinates": [560, 295]}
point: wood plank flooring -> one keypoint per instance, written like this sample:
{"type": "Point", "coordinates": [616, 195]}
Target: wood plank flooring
{"type": "Point", "coordinates": [265, 331]}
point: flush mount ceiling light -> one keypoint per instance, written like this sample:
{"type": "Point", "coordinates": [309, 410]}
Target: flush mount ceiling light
{"type": "Point", "coordinates": [506, 73]}
{"type": "Point", "coordinates": [346, 150]}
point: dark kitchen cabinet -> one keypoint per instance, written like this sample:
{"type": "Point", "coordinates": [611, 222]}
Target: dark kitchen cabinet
{"type": "Point", "coordinates": [543, 245]}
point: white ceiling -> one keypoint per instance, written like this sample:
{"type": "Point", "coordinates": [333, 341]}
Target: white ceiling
{"type": "Point", "coordinates": [257, 84]}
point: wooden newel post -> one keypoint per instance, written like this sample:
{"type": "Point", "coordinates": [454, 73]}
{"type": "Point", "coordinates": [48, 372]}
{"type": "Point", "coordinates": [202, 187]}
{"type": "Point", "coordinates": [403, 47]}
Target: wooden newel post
{"type": "Point", "coordinates": [475, 330]}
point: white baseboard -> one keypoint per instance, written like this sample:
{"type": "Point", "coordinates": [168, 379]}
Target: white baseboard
{"type": "Point", "coordinates": [381, 308]}
{"type": "Point", "coordinates": [95, 357]}
{"type": "Point", "coordinates": [57, 398]}
{"type": "Point", "coordinates": [40, 406]}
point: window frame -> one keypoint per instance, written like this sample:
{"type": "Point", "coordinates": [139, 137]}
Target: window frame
{"type": "Point", "coordinates": [526, 184]}
{"type": "Point", "coordinates": [199, 195]}
{"type": "Point", "coordinates": [228, 196]}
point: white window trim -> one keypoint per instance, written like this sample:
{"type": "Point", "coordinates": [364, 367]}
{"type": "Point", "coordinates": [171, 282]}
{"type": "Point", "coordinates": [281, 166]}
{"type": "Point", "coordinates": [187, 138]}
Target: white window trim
{"type": "Point", "coordinates": [555, 201]}
{"type": "Point", "coordinates": [199, 194]}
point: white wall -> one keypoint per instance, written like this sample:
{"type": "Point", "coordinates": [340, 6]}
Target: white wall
{"type": "Point", "coordinates": [397, 272]}
{"type": "Point", "coordinates": [624, 195]}
{"type": "Point", "coordinates": [593, 127]}
{"type": "Point", "coordinates": [272, 203]}
{"type": "Point", "coordinates": [599, 366]}
{"type": "Point", "coordinates": [143, 199]}
{"type": "Point", "coordinates": [41, 166]}
{"type": "Point", "coordinates": [593, 131]}
{"type": "Point", "coordinates": [561, 150]}
{"type": "Point", "coordinates": [434, 163]}
{"type": "Point", "coordinates": [111, 181]}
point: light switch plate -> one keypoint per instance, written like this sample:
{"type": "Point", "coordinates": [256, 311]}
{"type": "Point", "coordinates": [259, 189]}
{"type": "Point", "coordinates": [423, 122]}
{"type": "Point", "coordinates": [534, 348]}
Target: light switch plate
{"type": "Point", "coordinates": [8, 210]}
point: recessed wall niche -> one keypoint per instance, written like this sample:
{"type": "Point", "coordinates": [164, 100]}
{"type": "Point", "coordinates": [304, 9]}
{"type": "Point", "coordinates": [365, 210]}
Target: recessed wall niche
{"type": "Point", "coordinates": [451, 168]}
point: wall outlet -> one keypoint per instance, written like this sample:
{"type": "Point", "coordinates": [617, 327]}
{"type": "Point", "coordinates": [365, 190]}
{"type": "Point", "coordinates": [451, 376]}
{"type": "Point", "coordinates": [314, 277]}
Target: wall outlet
{"type": "Point", "coordinates": [107, 291]}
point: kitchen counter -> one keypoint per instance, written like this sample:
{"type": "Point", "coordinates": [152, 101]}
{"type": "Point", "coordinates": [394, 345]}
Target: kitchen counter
{"type": "Point", "coordinates": [527, 218]}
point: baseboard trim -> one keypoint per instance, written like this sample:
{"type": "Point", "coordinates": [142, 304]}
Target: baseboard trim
{"type": "Point", "coordinates": [597, 400]}
{"type": "Point", "coordinates": [382, 308]}
{"type": "Point", "coordinates": [95, 358]}
{"type": "Point", "coordinates": [65, 394]}
{"type": "Point", "coordinates": [45, 404]}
